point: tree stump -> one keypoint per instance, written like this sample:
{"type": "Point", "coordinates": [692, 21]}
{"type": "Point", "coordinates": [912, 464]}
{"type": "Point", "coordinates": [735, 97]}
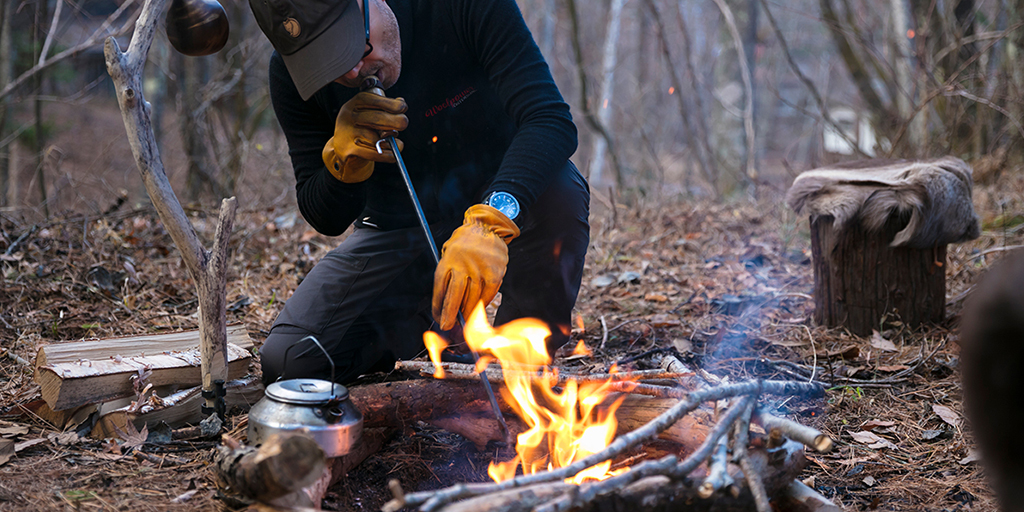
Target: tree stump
{"type": "Point", "coordinates": [860, 282]}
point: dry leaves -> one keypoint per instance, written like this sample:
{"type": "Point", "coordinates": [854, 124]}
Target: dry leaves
{"type": "Point", "coordinates": [873, 424]}
{"type": "Point", "coordinates": [881, 343]}
{"type": "Point", "coordinates": [873, 441]}
{"type": "Point", "coordinates": [948, 415]}
{"type": "Point", "coordinates": [6, 450]}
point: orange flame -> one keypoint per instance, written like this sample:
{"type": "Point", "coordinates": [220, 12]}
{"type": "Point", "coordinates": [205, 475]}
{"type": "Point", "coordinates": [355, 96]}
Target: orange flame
{"type": "Point", "coordinates": [435, 345]}
{"type": "Point", "coordinates": [581, 349]}
{"type": "Point", "coordinates": [563, 426]}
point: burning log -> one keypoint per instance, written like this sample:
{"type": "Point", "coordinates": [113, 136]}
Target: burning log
{"type": "Point", "coordinates": [461, 407]}
{"type": "Point", "coordinates": [87, 372]}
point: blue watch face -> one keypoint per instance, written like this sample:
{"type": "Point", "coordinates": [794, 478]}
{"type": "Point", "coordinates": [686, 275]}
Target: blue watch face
{"type": "Point", "coordinates": [505, 203]}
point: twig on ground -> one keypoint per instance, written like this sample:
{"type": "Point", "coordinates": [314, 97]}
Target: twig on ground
{"type": "Point", "coordinates": [718, 474]}
{"type": "Point", "coordinates": [808, 436]}
{"type": "Point", "coordinates": [739, 453]}
{"type": "Point", "coordinates": [604, 332]}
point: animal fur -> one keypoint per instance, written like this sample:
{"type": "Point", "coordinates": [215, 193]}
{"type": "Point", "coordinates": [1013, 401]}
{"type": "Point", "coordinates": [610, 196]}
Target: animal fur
{"type": "Point", "coordinates": [937, 193]}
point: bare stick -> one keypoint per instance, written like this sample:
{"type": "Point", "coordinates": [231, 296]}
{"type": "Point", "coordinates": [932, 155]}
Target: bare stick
{"type": "Point", "coordinates": [622, 443]}
{"type": "Point", "coordinates": [739, 452]}
{"type": "Point", "coordinates": [208, 269]}
{"type": "Point", "coordinates": [604, 325]}
{"type": "Point", "coordinates": [810, 437]}
{"type": "Point", "coordinates": [496, 374]}
{"type": "Point", "coordinates": [718, 474]}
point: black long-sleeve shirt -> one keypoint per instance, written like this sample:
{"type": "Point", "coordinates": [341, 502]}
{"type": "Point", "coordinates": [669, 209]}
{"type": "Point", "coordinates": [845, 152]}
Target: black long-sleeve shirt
{"type": "Point", "coordinates": [484, 115]}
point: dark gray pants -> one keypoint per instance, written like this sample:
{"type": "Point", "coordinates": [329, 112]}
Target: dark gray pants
{"type": "Point", "coordinates": [368, 300]}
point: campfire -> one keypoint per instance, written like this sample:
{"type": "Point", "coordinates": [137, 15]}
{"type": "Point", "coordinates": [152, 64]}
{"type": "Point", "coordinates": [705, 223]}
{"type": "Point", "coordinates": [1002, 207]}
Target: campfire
{"type": "Point", "coordinates": [564, 426]}
{"type": "Point", "coordinates": [571, 440]}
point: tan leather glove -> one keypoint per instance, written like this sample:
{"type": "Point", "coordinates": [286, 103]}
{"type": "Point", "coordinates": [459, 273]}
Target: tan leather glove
{"type": "Point", "coordinates": [473, 263]}
{"type": "Point", "coordinates": [349, 155]}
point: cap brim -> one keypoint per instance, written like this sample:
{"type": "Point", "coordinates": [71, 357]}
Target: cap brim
{"type": "Point", "coordinates": [330, 55]}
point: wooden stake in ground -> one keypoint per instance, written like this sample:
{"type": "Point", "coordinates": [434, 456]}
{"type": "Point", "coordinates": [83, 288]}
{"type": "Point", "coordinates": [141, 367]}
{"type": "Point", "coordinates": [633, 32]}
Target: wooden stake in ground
{"type": "Point", "coordinates": [207, 268]}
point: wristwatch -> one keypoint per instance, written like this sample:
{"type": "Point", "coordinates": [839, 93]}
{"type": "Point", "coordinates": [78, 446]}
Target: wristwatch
{"type": "Point", "coordinates": [505, 203]}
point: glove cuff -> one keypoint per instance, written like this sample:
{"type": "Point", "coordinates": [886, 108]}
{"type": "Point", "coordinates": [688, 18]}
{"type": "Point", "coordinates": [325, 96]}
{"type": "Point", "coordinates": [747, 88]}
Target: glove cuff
{"type": "Point", "coordinates": [492, 220]}
{"type": "Point", "coordinates": [352, 170]}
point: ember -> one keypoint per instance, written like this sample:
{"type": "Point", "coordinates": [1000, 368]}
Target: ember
{"type": "Point", "coordinates": [564, 426]}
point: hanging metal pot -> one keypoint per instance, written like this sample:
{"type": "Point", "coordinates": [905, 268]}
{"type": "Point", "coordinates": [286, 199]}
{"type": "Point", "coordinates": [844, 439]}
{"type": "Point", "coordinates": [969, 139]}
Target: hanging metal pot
{"type": "Point", "coordinates": [197, 27]}
{"type": "Point", "coordinates": [316, 408]}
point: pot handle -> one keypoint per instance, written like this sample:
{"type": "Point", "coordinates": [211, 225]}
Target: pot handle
{"type": "Point", "coordinates": [322, 349]}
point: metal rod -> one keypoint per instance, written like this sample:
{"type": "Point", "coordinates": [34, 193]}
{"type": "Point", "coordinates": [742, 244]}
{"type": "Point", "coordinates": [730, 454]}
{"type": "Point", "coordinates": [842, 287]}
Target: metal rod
{"type": "Point", "coordinates": [372, 84]}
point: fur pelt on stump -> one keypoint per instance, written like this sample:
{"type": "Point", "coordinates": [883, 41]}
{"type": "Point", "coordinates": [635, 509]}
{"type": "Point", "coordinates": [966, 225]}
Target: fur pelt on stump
{"type": "Point", "coordinates": [936, 193]}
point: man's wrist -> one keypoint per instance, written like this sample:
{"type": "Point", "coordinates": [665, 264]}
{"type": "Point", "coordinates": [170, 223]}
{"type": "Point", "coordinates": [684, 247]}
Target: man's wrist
{"type": "Point", "coordinates": [504, 202]}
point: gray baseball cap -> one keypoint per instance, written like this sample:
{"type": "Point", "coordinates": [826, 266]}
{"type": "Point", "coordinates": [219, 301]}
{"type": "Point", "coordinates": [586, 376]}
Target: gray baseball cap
{"type": "Point", "coordinates": [318, 40]}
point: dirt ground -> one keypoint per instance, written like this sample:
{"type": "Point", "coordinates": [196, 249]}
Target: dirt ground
{"type": "Point", "coordinates": [659, 276]}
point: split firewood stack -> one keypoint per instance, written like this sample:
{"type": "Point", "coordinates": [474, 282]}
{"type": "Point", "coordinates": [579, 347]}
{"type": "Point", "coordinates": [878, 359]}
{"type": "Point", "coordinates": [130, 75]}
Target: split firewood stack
{"type": "Point", "coordinates": [143, 380]}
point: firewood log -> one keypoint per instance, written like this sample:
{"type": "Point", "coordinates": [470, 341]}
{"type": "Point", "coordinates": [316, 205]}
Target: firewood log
{"type": "Point", "coordinates": [283, 464]}
{"type": "Point", "coordinates": [462, 407]}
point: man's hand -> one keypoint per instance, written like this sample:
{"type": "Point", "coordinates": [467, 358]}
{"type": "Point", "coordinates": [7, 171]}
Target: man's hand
{"type": "Point", "coordinates": [350, 154]}
{"type": "Point", "coordinates": [473, 263]}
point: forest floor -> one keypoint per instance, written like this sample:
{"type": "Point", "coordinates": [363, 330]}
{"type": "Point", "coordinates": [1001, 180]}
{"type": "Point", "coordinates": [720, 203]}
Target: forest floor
{"type": "Point", "coordinates": [658, 276]}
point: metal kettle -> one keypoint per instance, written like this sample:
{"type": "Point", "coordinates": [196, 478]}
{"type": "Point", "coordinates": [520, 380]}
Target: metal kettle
{"type": "Point", "coordinates": [317, 408]}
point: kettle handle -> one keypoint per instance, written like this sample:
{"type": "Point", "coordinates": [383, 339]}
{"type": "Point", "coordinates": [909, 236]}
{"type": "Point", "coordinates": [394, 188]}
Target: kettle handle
{"type": "Point", "coordinates": [284, 371]}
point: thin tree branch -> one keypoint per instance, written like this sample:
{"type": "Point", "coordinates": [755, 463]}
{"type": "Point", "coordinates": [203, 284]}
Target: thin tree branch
{"type": "Point", "coordinates": [748, 86]}
{"type": "Point", "coordinates": [100, 34]}
{"type": "Point", "coordinates": [822, 106]}
{"type": "Point", "coordinates": [52, 32]}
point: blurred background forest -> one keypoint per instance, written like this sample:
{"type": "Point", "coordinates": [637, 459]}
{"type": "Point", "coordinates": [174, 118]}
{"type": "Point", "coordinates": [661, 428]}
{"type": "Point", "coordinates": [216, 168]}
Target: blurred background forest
{"type": "Point", "coordinates": [674, 99]}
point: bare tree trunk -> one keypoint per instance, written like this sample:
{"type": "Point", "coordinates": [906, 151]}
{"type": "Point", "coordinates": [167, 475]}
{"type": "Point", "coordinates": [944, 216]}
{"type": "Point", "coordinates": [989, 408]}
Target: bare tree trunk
{"type": "Point", "coordinates": [547, 37]}
{"type": "Point", "coordinates": [604, 112]}
{"type": "Point", "coordinates": [37, 105]}
{"type": "Point", "coordinates": [902, 58]}
{"type": "Point", "coordinates": [6, 70]}
{"type": "Point", "coordinates": [588, 114]}
{"type": "Point", "coordinates": [705, 155]}
{"type": "Point", "coordinates": [854, 64]}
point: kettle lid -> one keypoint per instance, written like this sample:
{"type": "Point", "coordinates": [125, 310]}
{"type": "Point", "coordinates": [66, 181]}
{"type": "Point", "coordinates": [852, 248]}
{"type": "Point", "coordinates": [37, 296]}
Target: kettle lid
{"type": "Point", "coordinates": [306, 391]}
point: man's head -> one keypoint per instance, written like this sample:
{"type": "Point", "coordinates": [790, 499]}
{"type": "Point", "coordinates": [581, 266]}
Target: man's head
{"type": "Point", "coordinates": [323, 42]}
